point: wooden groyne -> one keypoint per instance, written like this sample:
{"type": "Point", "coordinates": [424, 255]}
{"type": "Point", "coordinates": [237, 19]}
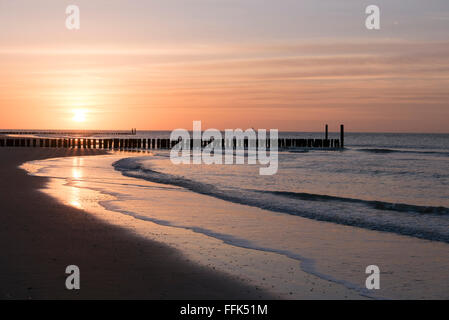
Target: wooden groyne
{"type": "Point", "coordinates": [165, 143]}
{"type": "Point", "coordinates": [155, 143]}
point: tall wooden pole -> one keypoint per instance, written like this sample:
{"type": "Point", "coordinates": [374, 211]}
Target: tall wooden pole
{"type": "Point", "coordinates": [342, 136]}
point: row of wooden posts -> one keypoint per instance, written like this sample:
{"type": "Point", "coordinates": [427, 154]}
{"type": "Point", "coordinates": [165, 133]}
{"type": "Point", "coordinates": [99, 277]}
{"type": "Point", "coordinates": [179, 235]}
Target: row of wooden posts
{"type": "Point", "coordinates": [283, 143]}
{"type": "Point", "coordinates": [157, 143]}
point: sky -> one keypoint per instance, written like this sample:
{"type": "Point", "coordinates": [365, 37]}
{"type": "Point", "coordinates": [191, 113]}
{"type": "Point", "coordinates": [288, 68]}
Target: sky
{"type": "Point", "coordinates": [281, 64]}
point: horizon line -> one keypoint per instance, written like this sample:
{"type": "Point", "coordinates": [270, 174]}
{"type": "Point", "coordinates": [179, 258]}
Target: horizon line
{"type": "Point", "coordinates": [168, 130]}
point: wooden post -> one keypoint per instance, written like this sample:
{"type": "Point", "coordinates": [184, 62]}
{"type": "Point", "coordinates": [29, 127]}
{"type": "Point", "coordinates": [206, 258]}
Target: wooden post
{"type": "Point", "coordinates": [326, 135]}
{"type": "Point", "coordinates": [342, 136]}
{"type": "Point", "coordinates": [309, 143]}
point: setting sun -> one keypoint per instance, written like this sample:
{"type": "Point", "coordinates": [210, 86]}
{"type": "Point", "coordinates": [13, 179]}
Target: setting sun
{"type": "Point", "coordinates": [79, 115]}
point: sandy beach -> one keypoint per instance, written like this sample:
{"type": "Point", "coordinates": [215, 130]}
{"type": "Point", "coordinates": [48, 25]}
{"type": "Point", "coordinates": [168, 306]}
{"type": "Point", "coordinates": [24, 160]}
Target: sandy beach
{"type": "Point", "coordinates": [40, 237]}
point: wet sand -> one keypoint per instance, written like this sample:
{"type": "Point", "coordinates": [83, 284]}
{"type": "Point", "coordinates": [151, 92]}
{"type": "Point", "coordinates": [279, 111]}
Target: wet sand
{"type": "Point", "coordinates": [40, 237]}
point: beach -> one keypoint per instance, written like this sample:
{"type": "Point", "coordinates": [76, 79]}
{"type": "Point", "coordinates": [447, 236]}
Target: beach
{"type": "Point", "coordinates": [41, 236]}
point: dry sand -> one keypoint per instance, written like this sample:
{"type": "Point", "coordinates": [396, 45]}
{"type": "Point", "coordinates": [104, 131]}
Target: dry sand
{"type": "Point", "coordinates": [39, 237]}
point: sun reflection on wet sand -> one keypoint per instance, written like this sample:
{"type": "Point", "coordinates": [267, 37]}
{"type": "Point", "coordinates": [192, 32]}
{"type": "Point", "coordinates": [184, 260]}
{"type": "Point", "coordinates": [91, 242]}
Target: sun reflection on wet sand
{"type": "Point", "coordinates": [76, 177]}
{"type": "Point", "coordinates": [74, 199]}
{"type": "Point", "coordinates": [77, 173]}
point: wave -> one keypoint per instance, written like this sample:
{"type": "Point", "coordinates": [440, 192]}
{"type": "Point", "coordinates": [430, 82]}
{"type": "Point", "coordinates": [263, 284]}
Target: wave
{"type": "Point", "coordinates": [389, 217]}
{"type": "Point", "coordinates": [379, 205]}
{"type": "Point", "coordinates": [386, 150]}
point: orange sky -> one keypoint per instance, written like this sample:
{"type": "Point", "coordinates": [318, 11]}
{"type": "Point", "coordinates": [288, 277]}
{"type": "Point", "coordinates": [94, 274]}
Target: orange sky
{"type": "Point", "coordinates": [370, 84]}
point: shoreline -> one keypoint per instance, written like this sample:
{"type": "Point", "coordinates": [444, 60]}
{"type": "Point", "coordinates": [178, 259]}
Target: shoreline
{"type": "Point", "coordinates": [41, 236]}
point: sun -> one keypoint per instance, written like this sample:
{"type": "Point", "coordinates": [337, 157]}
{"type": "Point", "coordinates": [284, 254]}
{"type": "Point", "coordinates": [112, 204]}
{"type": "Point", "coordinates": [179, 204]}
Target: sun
{"type": "Point", "coordinates": [79, 115]}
